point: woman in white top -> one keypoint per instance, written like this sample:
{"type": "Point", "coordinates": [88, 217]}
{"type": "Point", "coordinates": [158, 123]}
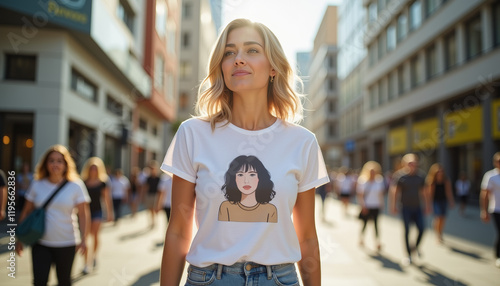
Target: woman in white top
{"type": "Point", "coordinates": [462, 186]}
{"type": "Point", "coordinates": [244, 140]}
{"type": "Point", "coordinates": [62, 237]}
{"type": "Point", "coordinates": [370, 190]}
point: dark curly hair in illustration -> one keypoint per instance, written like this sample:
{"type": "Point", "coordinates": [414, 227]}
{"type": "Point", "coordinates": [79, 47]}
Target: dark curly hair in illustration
{"type": "Point", "coordinates": [264, 192]}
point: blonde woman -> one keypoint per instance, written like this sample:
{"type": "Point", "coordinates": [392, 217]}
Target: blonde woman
{"type": "Point", "coordinates": [440, 194]}
{"type": "Point", "coordinates": [246, 106]}
{"type": "Point", "coordinates": [65, 234]}
{"type": "Point", "coordinates": [96, 180]}
{"type": "Point", "coordinates": [370, 190]}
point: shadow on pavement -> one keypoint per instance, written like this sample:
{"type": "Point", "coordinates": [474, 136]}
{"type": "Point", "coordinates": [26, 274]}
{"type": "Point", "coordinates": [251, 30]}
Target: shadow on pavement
{"type": "Point", "coordinates": [434, 277]}
{"type": "Point", "coordinates": [387, 262]}
{"type": "Point", "coordinates": [148, 278]}
{"type": "Point", "coordinates": [472, 255]}
{"type": "Point", "coordinates": [135, 234]}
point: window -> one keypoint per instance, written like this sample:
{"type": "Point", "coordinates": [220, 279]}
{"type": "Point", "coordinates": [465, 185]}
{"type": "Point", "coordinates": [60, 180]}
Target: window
{"type": "Point", "coordinates": [474, 37]}
{"type": "Point", "coordinates": [114, 106]}
{"type": "Point", "coordinates": [391, 38]}
{"type": "Point", "coordinates": [20, 67]}
{"type": "Point", "coordinates": [415, 15]}
{"type": "Point", "coordinates": [415, 71]}
{"type": "Point", "coordinates": [159, 77]}
{"type": "Point", "coordinates": [372, 12]}
{"type": "Point", "coordinates": [401, 80]}
{"type": "Point", "coordinates": [185, 69]}
{"type": "Point", "coordinates": [431, 6]}
{"type": "Point", "coordinates": [125, 13]}
{"type": "Point", "coordinates": [183, 101]}
{"type": "Point", "coordinates": [380, 47]}
{"type": "Point", "coordinates": [331, 106]}
{"type": "Point", "coordinates": [331, 85]}
{"type": "Point", "coordinates": [186, 11]}
{"type": "Point", "coordinates": [332, 130]}
{"type": "Point", "coordinates": [161, 17]}
{"type": "Point", "coordinates": [432, 62]}
{"type": "Point", "coordinates": [402, 27]}
{"type": "Point", "coordinates": [381, 93]}
{"type": "Point", "coordinates": [381, 5]}
{"type": "Point", "coordinates": [143, 124]}
{"type": "Point", "coordinates": [154, 130]}
{"type": "Point", "coordinates": [372, 55]}
{"type": "Point", "coordinates": [331, 62]}
{"type": "Point", "coordinates": [496, 23]}
{"type": "Point", "coordinates": [390, 87]}
{"type": "Point", "coordinates": [186, 40]}
{"type": "Point", "coordinates": [450, 45]}
{"type": "Point", "coordinates": [372, 97]}
{"type": "Point", "coordinates": [83, 86]}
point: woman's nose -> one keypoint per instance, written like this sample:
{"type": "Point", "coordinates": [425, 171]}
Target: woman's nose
{"type": "Point", "coordinates": [239, 59]}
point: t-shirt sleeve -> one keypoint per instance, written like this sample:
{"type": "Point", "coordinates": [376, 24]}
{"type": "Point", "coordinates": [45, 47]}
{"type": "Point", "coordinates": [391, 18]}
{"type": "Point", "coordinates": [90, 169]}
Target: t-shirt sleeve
{"type": "Point", "coordinates": [314, 170]}
{"type": "Point", "coordinates": [178, 159]}
{"type": "Point", "coordinates": [82, 194]}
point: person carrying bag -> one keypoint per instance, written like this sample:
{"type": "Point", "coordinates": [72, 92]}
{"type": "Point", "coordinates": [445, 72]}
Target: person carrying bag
{"type": "Point", "coordinates": [32, 228]}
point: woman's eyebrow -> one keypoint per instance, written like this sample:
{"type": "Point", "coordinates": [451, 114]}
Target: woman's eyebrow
{"type": "Point", "coordinates": [249, 43]}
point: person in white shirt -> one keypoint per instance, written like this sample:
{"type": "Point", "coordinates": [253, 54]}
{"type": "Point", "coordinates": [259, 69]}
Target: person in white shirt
{"type": "Point", "coordinates": [462, 187]}
{"type": "Point", "coordinates": [65, 231]}
{"type": "Point", "coordinates": [370, 189]}
{"type": "Point", "coordinates": [120, 192]}
{"type": "Point", "coordinates": [490, 201]}
{"type": "Point", "coordinates": [164, 195]}
{"type": "Point", "coordinates": [244, 154]}
{"type": "Point", "coordinates": [345, 186]}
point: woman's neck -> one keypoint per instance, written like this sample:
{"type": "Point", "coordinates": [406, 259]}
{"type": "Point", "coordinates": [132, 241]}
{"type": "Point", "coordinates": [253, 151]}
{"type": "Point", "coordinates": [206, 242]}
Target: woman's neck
{"type": "Point", "coordinates": [55, 179]}
{"type": "Point", "coordinates": [250, 111]}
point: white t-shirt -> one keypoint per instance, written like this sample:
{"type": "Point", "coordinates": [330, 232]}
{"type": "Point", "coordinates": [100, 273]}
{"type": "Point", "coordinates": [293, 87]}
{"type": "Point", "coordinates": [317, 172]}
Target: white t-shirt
{"type": "Point", "coordinates": [494, 197]}
{"type": "Point", "coordinates": [345, 183]}
{"type": "Point", "coordinates": [371, 192]}
{"type": "Point", "coordinates": [119, 187]}
{"type": "Point", "coordinates": [61, 221]}
{"type": "Point", "coordinates": [166, 186]}
{"type": "Point", "coordinates": [462, 187]}
{"type": "Point", "coordinates": [487, 176]}
{"type": "Point", "coordinates": [284, 157]}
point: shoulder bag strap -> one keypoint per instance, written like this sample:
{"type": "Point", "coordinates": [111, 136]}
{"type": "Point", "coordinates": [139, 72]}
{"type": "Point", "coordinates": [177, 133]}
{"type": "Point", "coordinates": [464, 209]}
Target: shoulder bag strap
{"type": "Point", "coordinates": [54, 194]}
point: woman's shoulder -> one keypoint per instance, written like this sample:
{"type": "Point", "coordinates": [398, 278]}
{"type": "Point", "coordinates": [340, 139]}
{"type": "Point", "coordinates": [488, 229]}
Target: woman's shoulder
{"type": "Point", "coordinates": [297, 130]}
{"type": "Point", "coordinates": [194, 123]}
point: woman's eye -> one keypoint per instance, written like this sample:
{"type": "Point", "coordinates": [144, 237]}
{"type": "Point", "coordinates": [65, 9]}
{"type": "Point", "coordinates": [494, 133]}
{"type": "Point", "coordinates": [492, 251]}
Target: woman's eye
{"type": "Point", "coordinates": [239, 175]}
{"type": "Point", "coordinates": [228, 53]}
{"type": "Point", "coordinates": [253, 51]}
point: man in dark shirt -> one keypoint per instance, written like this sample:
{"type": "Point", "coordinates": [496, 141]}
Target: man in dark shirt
{"type": "Point", "coordinates": [409, 187]}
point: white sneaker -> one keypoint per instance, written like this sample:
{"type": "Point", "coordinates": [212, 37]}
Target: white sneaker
{"type": "Point", "coordinates": [407, 261]}
{"type": "Point", "coordinates": [497, 262]}
{"type": "Point", "coordinates": [85, 270]}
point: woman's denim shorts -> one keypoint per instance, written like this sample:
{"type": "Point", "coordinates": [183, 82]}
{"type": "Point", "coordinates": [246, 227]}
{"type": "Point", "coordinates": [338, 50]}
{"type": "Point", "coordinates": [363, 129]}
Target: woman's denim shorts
{"type": "Point", "coordinates": [244, 273]}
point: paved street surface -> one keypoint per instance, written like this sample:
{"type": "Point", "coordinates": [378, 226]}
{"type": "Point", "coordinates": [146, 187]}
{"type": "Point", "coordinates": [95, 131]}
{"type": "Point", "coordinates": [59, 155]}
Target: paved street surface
{"type": "Point", "coordinates": [130, 253]}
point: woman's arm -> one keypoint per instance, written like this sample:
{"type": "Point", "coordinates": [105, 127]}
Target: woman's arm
{"type": "Point", "coordinates": [106, 196]}
{"type": "Point", "coordinates": [305, 227]}
{"type": "Point", "coordinates": [84, 223]}
{"type": "Point", "coordinates": [179, 232]}
{"type": "Point", "coordinates": [27, 209]}
{"type": "Point", "coordinates": [449, 193]}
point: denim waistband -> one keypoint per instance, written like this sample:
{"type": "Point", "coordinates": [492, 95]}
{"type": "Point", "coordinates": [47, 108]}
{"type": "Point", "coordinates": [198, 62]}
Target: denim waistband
{"type": "Point", "coordinates": [246, 268]}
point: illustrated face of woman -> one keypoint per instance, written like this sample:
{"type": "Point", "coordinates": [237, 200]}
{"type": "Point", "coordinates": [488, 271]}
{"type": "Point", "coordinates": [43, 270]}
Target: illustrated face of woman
{"type": "Point", "coordinates": [56, 164]}
{"type": "Point", "coordinates": [248, 181]}
{"type": "Point", "coordinates": [245, 65]}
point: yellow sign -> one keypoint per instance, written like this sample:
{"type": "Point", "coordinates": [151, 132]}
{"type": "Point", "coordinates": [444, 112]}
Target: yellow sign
{"type": "Point", "coordinates": [495, 117]}
{"type": "Point", "coordinates": [426, 134]}
{"type": "Point", "coordinates": [397, 141]}
{"type": "Point", "coordinates": [464, 126]}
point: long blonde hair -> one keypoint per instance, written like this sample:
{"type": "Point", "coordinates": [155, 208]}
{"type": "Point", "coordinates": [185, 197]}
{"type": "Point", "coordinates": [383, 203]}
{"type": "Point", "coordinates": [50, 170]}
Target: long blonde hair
{"type": "Point", "coordinates": [70, 173]}
{"type": "Point", "coordinates": [101, 170]}
{"type": "Point", "coordinates": [215, 100]}
{"type": "Point", "coordinates": [431, 175]}
{"type": "Point", "coordinates": [364, 175]}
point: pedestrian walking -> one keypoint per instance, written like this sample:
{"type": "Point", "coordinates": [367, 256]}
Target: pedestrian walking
{"type": "Point", "coordinates": [490, 201]}
{"type": "Point", "coordinates": [462, 187]}
{"type": "Point", "coordinates": [345, 184]}
{"type": "Point", "coordinates": [370, 190]}
{"type": "Point", "coordinates": [65, 232]}
{"type": "Point", "coordinates": [409, 192]}
{"type": "Point", "coordinates": [440, 195]}
{"type": "Point", "coordinates": [23, 182]}
{"type": "Point", "coordinates": [248, 167]}
{"type": "Point", "coordinates": [150, 190]}
{"type": "Point", "coordinates": [120, 190]}
{"type": "Point", "coordinates": [135, 187]}
{"type": "Point", "coordinates": [96, 181]}
{"type": "Point", "coordinates": [164, 201]}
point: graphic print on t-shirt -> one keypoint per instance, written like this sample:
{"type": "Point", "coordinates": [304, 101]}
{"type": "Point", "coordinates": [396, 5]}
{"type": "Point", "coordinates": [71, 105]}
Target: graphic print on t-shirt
{"type": "Point", "coordinates": [248, 189]}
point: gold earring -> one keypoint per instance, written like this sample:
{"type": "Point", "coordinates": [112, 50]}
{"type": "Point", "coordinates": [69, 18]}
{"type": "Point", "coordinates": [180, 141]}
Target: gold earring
{"type": "Point", "coordinates": [272, 79]}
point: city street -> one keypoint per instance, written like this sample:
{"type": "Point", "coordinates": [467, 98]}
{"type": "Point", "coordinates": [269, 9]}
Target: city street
{"type": "Point", "coordinates": [130, 253]}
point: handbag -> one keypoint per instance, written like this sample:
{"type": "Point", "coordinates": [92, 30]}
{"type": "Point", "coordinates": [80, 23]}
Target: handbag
{"type": "Point", "coordinates": [31, 229]}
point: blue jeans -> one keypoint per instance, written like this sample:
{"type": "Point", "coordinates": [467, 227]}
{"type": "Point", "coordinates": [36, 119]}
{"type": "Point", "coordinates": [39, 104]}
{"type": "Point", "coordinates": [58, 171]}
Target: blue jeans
{"type": "Point", "coordinates": [239, 274]}
{"type": "Point", "coordinates": [413, 215]}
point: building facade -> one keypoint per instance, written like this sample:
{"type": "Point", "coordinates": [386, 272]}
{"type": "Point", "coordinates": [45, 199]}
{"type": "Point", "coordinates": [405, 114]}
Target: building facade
{"type": "Point", "coordinates": [198, 34]}
{"type": "Point", "coordinates": [321, 116]}
{"type": "Point", "coordinates": [72, 74]}
{"type": "Point", "coordinates": [431, 84]}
